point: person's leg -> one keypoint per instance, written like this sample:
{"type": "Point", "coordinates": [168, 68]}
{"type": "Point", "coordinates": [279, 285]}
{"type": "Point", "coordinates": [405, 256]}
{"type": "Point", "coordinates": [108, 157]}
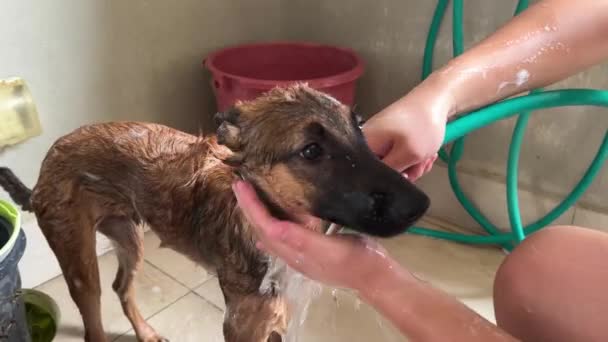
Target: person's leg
{"type": "Point", "coordinates": [554, 287]}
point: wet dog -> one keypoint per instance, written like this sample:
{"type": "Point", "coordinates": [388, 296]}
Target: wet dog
{"type": "Point", "coordinates": [302, 150]}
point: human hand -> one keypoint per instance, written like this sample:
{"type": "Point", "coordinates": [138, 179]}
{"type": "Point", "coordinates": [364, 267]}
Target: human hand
{"type": "Point", "coordinates": [346, 261]}
{"type": "Point", "coordinates": [407, 134]}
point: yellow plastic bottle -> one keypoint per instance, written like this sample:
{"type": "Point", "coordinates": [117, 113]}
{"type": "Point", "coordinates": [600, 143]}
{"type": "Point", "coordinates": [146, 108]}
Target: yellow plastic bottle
{"type": "Point", "coordinates": [18, 115]}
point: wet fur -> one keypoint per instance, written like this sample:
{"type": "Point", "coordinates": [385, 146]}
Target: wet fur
{"type": "Point", "coordinates": [115, 178]}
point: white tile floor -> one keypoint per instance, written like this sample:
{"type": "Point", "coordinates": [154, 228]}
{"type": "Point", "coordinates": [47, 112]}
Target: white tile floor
{"type": "Point", "coordinates": [183, 302]}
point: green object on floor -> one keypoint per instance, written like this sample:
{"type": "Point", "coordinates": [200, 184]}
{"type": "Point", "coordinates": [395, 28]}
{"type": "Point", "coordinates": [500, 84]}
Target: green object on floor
{"type": "Point", "coordinates": [522, 106]}
{"type": "Point", "coordinates": [42, 315]}
{"type": "Point", "coordinates": [12, 214]}
{"type": "Point", "coordinates": [41, 312]}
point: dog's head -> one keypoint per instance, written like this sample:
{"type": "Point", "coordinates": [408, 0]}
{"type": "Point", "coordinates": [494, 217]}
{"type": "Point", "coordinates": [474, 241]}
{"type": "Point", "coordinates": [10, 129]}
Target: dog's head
{"type": "Point", "coordinates": [305, 154]}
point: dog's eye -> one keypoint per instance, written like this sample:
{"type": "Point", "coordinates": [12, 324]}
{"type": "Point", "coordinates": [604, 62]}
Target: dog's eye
{"type": "Point", "coordinates": [312, 151]}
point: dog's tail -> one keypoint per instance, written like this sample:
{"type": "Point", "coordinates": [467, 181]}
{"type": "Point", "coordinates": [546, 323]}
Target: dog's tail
{"type": "Point", "coordinates": [16, 189]}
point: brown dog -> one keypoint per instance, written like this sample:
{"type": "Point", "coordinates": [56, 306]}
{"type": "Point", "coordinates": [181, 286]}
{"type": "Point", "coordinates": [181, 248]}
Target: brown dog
{"type": "Point", "coordinates": [302, 150]}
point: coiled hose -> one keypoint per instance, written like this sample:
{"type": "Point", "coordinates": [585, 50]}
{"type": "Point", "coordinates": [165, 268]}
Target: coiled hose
{"type": "Point", "coordinates": [457, 130]}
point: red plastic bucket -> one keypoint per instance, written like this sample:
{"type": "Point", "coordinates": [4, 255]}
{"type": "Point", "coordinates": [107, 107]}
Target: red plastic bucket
{"type": "Point", "coordinates": [246, 71]}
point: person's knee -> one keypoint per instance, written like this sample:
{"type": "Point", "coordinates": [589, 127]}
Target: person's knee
{"type": "Point", "coordinates": [517, 271]}
{"type": "Point", "coordinates": [516, 281]}
{"type": "Point", "coordinates": [523, 276]}
{"type": "Point", "coordinates": [513, 285]}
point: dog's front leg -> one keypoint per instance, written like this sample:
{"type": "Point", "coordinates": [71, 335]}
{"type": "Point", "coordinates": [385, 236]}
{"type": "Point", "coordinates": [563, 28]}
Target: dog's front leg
{"type": "Point", "coordinates": [252, 315]}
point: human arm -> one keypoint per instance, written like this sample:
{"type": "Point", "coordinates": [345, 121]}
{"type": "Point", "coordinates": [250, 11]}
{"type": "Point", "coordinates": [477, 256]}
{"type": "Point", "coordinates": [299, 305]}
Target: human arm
{"type": "Point", "coordinates": [425, 313]}
{"type": "Point", "coordinates": [418, 310]}
{"type": "Point", "coordinates": [550, 41]}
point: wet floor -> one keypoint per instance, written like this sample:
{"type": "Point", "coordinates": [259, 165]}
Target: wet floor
{"type": "Point", "coordinates": [184, 303]}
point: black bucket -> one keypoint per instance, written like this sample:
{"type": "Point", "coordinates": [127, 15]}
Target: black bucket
{"type": "Point", "coordinates": [13, 323]}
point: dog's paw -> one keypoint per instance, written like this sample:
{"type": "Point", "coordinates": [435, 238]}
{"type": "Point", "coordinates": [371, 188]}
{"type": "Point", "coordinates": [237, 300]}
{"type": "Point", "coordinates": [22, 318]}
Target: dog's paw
{"type": "Point", "coordinates": [151, 336]}
{"type": "Point", "coordinates": [155, 338]}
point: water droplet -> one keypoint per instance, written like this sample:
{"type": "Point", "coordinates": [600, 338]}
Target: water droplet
{"type": "Point", "coordinates": [357, 304]}
{"type": "Point", "coordinates": [334, 294]}
{"type": "Point", "coordinates": [299, 292]}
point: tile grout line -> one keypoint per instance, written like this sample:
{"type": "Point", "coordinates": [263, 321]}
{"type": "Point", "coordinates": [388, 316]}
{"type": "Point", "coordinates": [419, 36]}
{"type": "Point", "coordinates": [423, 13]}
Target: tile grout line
{"type": "Point", "coordinates": [154, 314]}
{"type": "Point", "coordinates": [535, 192]}
{"type": "Point", "coordinates": [207, 300]}
{"type": "Point", "coordinates": [188, 288]}
{"type": "Point", "coordinates": [575, 209]}
{"type": "Point", "coordinates": [173, 278]}
{"type": "Point", "coordinates": [60, 275]}
{"type": "Point", "coordinates": [192, 290]}
{"type": "Point", "coordinates": [189, 291]}
{"type": "Point", "coordinates": [164, 307]}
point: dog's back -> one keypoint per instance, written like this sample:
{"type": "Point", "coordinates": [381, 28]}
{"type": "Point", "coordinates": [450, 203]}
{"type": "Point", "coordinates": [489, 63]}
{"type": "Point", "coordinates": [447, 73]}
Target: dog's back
{"type": "Point", "coordinates": [117, 159]}
{"type": "Point", "coordinates": [149, 173]}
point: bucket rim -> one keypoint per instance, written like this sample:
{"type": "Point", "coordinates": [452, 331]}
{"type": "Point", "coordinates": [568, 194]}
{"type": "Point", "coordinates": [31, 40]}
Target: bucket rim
{"type": "Point", "coordinates": [13, 215]}
{"type": "Point", "coordinates": [323, 82]}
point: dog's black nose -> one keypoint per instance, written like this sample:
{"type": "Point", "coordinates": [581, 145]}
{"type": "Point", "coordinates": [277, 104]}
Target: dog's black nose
{"type": "Point", "coordinates": [378, 204]}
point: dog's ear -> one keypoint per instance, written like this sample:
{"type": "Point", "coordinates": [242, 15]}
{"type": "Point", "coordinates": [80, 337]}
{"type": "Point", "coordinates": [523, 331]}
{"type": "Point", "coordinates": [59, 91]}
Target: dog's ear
{"type": "Point", "coordinates": [229, 135]}
{"type": "Point", "coordinates": [228, 132]}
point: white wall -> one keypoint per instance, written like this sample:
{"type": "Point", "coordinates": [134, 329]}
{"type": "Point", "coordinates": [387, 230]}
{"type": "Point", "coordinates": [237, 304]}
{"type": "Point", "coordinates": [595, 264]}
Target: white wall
{"type": "Point", "coordinates": [88, 61]}
{"type": "Point", "coordinates": [58, 50]}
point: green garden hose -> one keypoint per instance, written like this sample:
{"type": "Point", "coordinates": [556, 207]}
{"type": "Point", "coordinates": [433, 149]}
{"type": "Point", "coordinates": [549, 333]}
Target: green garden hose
{"type": "Point", "coordinates": [522, 106]}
